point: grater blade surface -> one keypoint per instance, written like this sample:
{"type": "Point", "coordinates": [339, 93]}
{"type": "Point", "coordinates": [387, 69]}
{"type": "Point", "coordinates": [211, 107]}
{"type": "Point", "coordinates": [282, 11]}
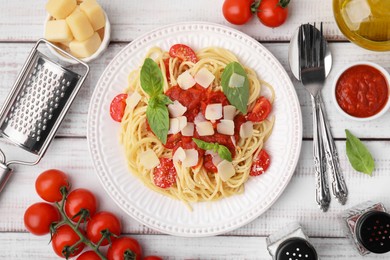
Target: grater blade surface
{"type": "Point", "coordinates": [37, 103]}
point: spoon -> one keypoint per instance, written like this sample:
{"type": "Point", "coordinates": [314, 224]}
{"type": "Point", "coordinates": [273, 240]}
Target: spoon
{"type": "Point", "coordinates": [339, 187]}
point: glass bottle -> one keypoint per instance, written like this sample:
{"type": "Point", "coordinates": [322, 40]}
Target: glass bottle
{"type": "Point", "coordinates": [368, 225]}
{"type": "Point", "coordinates": [291, 243]}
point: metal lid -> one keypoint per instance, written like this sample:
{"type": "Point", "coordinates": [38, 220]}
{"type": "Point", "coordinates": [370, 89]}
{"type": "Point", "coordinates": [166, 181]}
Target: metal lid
{"type": "Point", "coordinates": [373, 231]}
{"type": "Point", "coordinates": [296, 248]}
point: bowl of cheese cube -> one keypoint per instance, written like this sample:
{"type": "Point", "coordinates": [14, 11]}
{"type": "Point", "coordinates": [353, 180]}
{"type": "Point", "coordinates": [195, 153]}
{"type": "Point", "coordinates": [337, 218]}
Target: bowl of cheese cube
{"type": "Point", "coordinates": [79, 27]}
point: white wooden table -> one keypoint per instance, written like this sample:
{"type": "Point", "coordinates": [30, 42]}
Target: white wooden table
{"type": "Point", "coordinates": [21, 24]}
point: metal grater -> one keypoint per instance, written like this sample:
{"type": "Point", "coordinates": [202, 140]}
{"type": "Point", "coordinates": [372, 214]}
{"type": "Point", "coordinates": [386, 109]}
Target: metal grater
{"type": "Point", "coordinates": [36, 105]}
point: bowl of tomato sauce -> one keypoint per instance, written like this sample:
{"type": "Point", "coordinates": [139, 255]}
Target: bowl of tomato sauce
{"type": "Point", "coordinates": [361, 91]}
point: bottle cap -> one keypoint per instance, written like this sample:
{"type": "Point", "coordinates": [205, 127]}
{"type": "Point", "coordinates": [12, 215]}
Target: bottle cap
{"type": "Point", "coordinates": [373, 231]}
{"type": "Point", "coordinates": [296, 248]}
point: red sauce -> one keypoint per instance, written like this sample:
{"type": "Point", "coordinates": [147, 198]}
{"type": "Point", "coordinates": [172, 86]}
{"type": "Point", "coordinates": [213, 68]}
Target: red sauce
{"type": "Point", "coordinates": [362, 91]}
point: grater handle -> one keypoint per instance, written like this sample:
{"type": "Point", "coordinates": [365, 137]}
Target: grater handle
{"type": "Point", "coordinates": [5, 174]}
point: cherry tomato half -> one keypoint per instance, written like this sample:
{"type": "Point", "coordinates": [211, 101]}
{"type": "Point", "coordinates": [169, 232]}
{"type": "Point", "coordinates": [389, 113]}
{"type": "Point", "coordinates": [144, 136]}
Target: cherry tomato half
{"type": "Point", "coordinates": [164, 175]}
{"type": "Point", "coordinates": [261, 110]}
{"type": "Point", "coordinates": [237, 11]}
{"type": "Point", "coordinates": [103, 221]}
{"type": "Point", "coordinates": [117, 107]}
{"type": "Point", "coordinates": [80, 199]}
{"type": "Point", "coordinates": [260, 163]}
{"type": "Point", "coordinates": [39, 216]}
{"type": "Point", "coordinates": [183, 52]}
{"type": "Point", "coordinates": [63, 238]}
{"type": "Point", "coordinates": [49, 183]}
{"type": "Point", "coordinates": [152, 257]}
{"type": "Point", "coordinates": [89, 255]}
{"type": "Point", "coordinates": [124, 246]}
{"type": "Point", "coordinates": [273, 13]}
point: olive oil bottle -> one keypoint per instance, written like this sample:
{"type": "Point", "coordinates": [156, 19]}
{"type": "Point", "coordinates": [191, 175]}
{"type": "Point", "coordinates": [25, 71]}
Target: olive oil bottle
{"type": "Point", "coordinates": [364, 22]}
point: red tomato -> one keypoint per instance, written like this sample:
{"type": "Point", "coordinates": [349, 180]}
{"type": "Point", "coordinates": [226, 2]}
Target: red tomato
{"type": "Point", "coordinates": [183, 52]}
{"type": "Point", "coordinates": [49, 183]}
{"type": "Point", "coordinates": [260, 163]}
{"type": "Point", "coordinates": [152, 257]}
{"type": "Point", "coordinates": [208, 164]}
{"type": "Point", "coordinates": [63, 238]}
{"type": "Point", "coordinates": [238, 121]}
{"type": "Point", "coordinates": [273, 13]}
{"type": "Point", "coordinates": [103, 221]}
{"type": "Point", "coordinates": [39, 216]}
{"type": "Point", "coordinates": [237, 11]}
{"type": "Point", "coordinates": [117, 107]}
{"type": "Point", "coordinates": [173, 140]}
{"type": "Point", "coordinates": [213, 97]}
{"type": "Point", "coordinates": [164, 175]}
{"type": "Point", "coordinates": [123, 247]}
{"type": "Point", "coordinates": [166, 63]}
{"type": "Point", "coordinates": [261, 110]}
{"type": "Point", "coordinates": [89, 255]}
{"type": "Point", "coordinates": [80, 199]}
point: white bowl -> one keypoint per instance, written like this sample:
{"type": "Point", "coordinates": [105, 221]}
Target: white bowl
{"type": "Point", "coordinates": [362, 119]}
{"type": "Point", "coordinates": [103, 46]}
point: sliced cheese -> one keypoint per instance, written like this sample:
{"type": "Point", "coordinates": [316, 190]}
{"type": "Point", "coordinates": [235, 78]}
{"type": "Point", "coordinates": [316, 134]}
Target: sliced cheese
{"type": "Point", "coordinates": [179, 155]}
{"type": "Point", "coordinates": [94, 12]}
{"type": "Point", "coordinates": [83, 49]}
{"type": "Point", "coordinates": [133, 100]}
{"type": "Point", "coordinates": [174, 126]}
{"type": "Point", "coordinates": [229, 112]}
{"type": "Point", "coordinates": [205, 128]}
{"type": "Point", "coordinates": [60, 9]}
{"type": "Point", "coordinates": [225, 127]}
{"type": "Point", "coordinates": [80, 26]}
{"type": "Point", "coordinates": [185, 80]}
{"type": "Point", "coordinates": [236, 81]}
{"type": "Point", "coordinates": [182, 122]}
{"type": "Point", "coordinates": [225, 170]}
{"type": "Point", "coordinates": [191, 158]}
{"type": "Point", "coordinates": [149, 159]}
{"type": "Point", "coordinates": [188, 130]}
{"type": "Point", "coordinates": [199, 118]}
{"type": "Point", "coordinates": [204, 77]}
{"type": "Point", "coordinates": [58, 31]}
{"type": "Point", "coordinates": [176, 109]}
{"type": "Point", "coordinates": [246, 129]}
{"type": "Point", "coordinates": [213, 111]}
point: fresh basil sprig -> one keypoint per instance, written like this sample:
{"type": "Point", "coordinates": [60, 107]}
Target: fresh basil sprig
{"type": "Point", "coordinates": [152, 83]}
{"type": "Point", "coordinates": [222, 150]}
{"type": "Point", "coordinates": [237, 96]}
{"type": "Point", "coordinates": [358, 155]}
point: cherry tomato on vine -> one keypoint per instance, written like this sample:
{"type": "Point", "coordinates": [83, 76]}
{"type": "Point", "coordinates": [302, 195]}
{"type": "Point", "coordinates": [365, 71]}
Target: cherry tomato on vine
{"type": "Point", "coordinates": [260, 111]}
{"type": "Point", "coordinates": [117, 107]}
{"type": "Point", "coordinates": [80, 199]}
{"type": "Point", "coordinates": [39, 216]}
{"type": "Point", "coordinates": [103, 221]}
{"type": "Point", "coordinates": [152, 257]}
{"type": "Point", "coordinates": [49, 183]}
{"type": "Point", "coordinates": [124, 246]}
{"type": "Point", "coordinates": [63, 238]}
{"type": "Point", "coordinates": [260, 163]}
{"type": "Point", "coordinates": [183, 52]}
{"type": "Point", "coordinates": [273, 13]}
{"type": "Point", "coordinates": [88, 255]}
{"type": "Point", "coordinates": [237, 11]}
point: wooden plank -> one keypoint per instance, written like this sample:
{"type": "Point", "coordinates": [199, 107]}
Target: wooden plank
{"type": "Point", "coordinates": [12, 57]}
{"type": "Point", "coordinates": [130, 19]}
{"type": "Point", "coordinates": [297, 203]}
{"type": "Point", "coordinates": [175, 248]}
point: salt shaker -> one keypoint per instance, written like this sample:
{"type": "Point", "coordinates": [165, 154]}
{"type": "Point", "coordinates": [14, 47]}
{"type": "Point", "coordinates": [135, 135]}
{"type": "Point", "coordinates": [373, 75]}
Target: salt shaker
{"type": "Point", "coordinates": [291, 243]}
{"type": "Point", "coordinates": [368, 225]}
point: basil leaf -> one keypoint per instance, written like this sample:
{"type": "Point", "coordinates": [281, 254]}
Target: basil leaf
{"type": "Point", "coordinates": [238, 97]}
{"type": "Point", "coordinates": [152, 80]}
{"type": "Point", "coordinates": [158, 119]}
{"type": "Point", "coordinates": [222, 150]}
{"type": "Point", "coordinates": [358, 155]}
{"type": "Point", "coordinates": [164, 99]}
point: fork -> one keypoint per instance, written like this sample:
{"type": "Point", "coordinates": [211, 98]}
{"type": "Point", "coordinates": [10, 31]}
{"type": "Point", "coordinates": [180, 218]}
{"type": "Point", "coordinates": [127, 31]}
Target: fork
{"type": "Point", "coordinates": [312, 74]}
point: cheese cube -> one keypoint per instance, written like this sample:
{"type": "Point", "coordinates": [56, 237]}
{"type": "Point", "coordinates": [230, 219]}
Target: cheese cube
{"type": "Point", "coordinates": [149, 159]}
{"type": "Point", "coordinates": [180, 155]}
{"type": "Point", "coordinates": [176, 109]}
{"type": "Point", "coordinates": [205, 128]}
{"type": "Point", "coordinates": [182, 122]}
{"type": "Point", "coordinates": [229, 112]}
{"type": "Point", "coordinates": [204, 77]}
{"type": "Point", "coordinates": [60, 9]}
{"type": "Point", "coordinates": [246, 129]}
{"type": "Point", "coordinates": [174, 126]}
{"type": "Point", "coordinates": [188, 130]}
{"type": "Point", "coordinates": [58, 31]}
{"type": "Point", "coordinates": [225, 170]}
{"type": "Point", "coordinates": [226, 127]}
{"type": "Point", "coordinates": [80, 26]}
{"type": "Point", "coordinates": [83, 49]}
{"type": "Point", "coordinates": [133, 100]}
{"type": "Point", "coordinates": [94, 12]}
{"type": "Point", "coordinates": [236, 81]}
{"type": "Point", "coordinates": [185, 80]}
{"type": "Point", "coordinates": [191, 158]}
{"type": "Point", "coordinates": [213, 111]}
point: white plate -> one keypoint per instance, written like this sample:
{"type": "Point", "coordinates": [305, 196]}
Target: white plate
{"type": "Point", "coordinates": [207, 218]}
